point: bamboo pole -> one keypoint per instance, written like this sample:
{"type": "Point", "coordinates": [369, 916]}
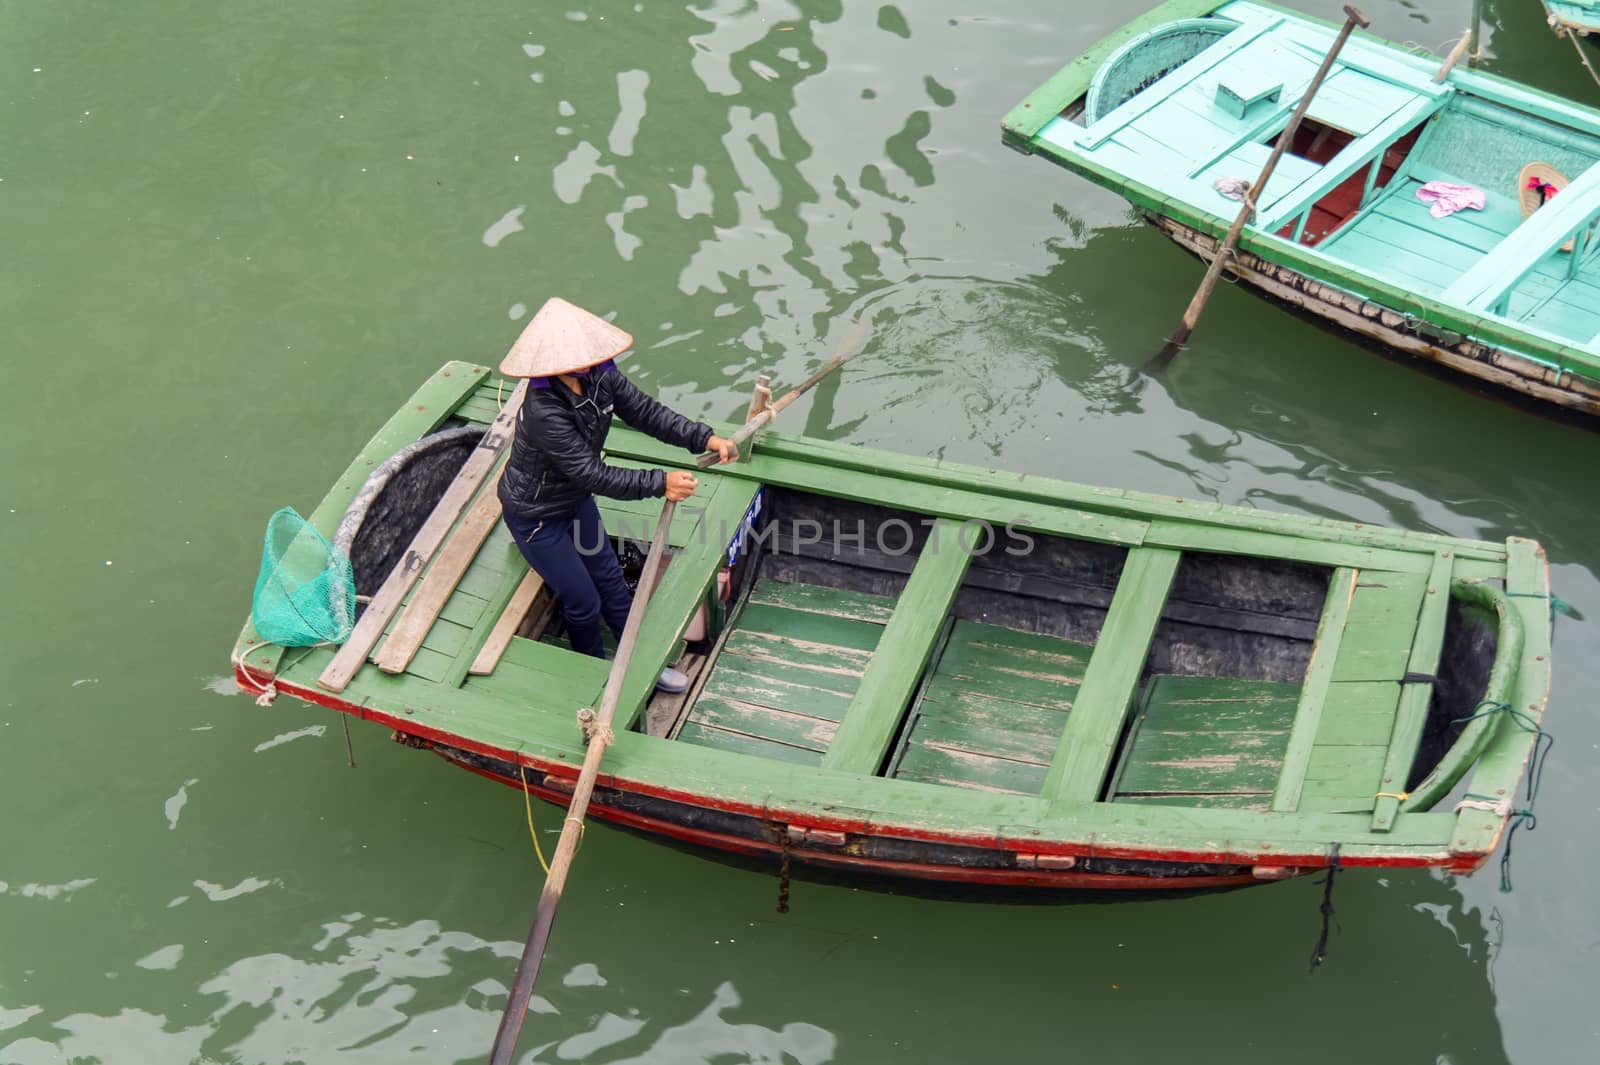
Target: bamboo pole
{"type": "Point", "coordinates": [1474, 35]}
{"type": "Point", "coordinates": [505, 1039]}
{"type": "Point", "coordinates": [1191, 314]}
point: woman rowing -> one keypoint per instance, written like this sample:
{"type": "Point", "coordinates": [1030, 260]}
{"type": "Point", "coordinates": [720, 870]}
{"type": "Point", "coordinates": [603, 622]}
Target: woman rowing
{"type": "Point", "coordinates": [555, 470]}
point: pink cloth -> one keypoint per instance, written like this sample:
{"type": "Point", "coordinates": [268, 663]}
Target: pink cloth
{"type": "Point", "coordinates": [1446, 198]}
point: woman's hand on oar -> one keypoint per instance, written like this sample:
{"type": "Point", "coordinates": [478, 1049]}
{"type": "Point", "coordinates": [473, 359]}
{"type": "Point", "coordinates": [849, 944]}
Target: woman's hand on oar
{"type": "Point", "coordinates": [681, 485]}
{"type": "Point", "coordinates": [725, 450]}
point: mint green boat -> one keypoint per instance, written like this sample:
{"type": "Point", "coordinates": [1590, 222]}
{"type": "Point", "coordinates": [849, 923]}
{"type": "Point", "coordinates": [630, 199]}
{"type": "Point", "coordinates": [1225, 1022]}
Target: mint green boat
{"type": "Point", "coordinates": [1579, 17]}
{"type": "Point", "coordinates": [1178, 107]}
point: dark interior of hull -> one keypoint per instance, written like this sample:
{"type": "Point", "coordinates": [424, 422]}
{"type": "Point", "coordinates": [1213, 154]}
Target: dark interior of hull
{"type": "Point", "coordinates": [802, 614]}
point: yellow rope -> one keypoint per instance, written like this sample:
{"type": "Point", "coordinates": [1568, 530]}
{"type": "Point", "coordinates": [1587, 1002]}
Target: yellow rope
{"type": "Point", "coordinates": [527, 801]}
{"type": "Point", "coordinates": [1401, 795]}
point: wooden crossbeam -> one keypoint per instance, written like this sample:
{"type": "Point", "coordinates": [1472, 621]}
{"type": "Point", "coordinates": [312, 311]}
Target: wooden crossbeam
{"type": "Point", "coordinates": [369, 628]}
{"type": "Point", "coordinates": [422, 609]}
{"type": "Point", "coordinates": [1314, 692]}
{"type": "Point", "coordinates": [1084, 754]}
{"type": "Point", "coordinates": [1412, 715]}
{"type": "Point", "coordinates": [505, 626]}
{"type": "Point", "coordinates": [679, 595]}
{"type": "Point", "coordinates": [870, 722]}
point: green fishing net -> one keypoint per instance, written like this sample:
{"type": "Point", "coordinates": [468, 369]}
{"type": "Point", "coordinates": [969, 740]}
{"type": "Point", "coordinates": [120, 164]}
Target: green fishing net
{"type": "Point", "coordinates": [306, 593]}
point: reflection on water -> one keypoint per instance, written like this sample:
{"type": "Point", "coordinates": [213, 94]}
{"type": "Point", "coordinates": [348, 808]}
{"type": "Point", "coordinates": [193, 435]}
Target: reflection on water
{"type": "Point", "coordinates": [373, 991]}
{"type": "Point", "coordinates": [366, 989]}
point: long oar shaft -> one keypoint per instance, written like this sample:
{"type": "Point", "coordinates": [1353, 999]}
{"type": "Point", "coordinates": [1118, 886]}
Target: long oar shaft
{"type": "Point", "coordinates": [1191, 314]}
{"type": "Point", "coordinates": [849, 346]}
{"type": "Point", "coordinates": [505, 1040]}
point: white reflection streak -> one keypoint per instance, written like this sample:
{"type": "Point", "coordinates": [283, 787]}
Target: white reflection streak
{"type": "Point", "coordinates": [631, 85]}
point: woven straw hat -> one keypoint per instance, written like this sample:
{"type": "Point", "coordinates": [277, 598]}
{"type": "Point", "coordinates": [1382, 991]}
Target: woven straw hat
{"type": "Point", "coordinates": [563, 338]}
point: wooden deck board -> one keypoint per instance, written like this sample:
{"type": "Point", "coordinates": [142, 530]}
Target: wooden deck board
{"type": "Point", "coordinates": [766, 722]}
{"type": "Point", "coordinates": [984, 710]}
{"type": "Point", "coordinates": [975, 707]}
{"type": "Point", "coordinates": [819, 599]}
{"type": "Point", "coordinates": [1208, 736]}
{"type": "Point", "coordinates": [846, 661]}
{"type": "Point", "coordinates": [739, 743]}
{"type": "Point", "coordinates": [775, 685]}
{"type": "Point", "coordinates": [810, 627]}
{"type": "Point", "coordinates": [995, 741]}
{"type": "Point", "coordinates": [961, 769]}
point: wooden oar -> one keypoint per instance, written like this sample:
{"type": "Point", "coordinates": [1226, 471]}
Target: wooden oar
{"type": "Point", "coordinates": [1191, 314]}
{"type": "Point", "coordinates": [854, 339]}
{"type": "Point", "coordinates": [505, 1039]}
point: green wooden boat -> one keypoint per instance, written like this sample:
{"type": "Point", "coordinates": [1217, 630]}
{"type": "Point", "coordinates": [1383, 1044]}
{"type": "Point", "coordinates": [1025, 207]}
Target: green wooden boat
{"type": "Point", "coordinates": [904, 667]}
{"type": "Point", "coordinates": [1197, 92]}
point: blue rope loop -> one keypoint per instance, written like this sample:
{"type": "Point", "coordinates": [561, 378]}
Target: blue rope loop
{"type": "Point", "coordinates": [1543, 742]}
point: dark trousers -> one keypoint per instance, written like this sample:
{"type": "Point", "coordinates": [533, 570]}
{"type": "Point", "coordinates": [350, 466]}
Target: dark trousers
{"type": "Point", "coordinates": [576, 560]}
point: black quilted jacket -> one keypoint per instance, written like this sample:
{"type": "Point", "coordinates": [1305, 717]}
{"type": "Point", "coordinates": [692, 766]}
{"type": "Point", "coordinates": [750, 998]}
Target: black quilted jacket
{"type": "Point", "coordinates": [555, 456]}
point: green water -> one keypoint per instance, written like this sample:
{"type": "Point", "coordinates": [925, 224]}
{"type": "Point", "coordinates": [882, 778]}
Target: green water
{"type": "Point", "coordinates": [237, 235]}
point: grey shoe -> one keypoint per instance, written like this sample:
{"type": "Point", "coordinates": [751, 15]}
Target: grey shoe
{"type": "Point", "coordinates": [671, 680]}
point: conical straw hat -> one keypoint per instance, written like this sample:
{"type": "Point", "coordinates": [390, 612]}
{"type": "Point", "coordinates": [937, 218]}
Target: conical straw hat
{"type": "Point", "coordinates": [1528, 194]}
{"type": "Point", "coordinates": [1547, 175]}
{"type": "Point", "coordinates": [563, 338]}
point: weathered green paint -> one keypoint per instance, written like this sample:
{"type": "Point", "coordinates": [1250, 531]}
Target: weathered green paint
{"type": "Point", "coordinates": [869, 726]}
{"type": "Point", "coordinates": [1412, 713]}
{"type": "Point", "coordinates": [1078, 768]}
{"type": "Point", "coordinates": [1207, 736]}
{"type": "Point", "coordinates": [840, 602]}
{"type": "Point", "coordinates": [1314, 692]}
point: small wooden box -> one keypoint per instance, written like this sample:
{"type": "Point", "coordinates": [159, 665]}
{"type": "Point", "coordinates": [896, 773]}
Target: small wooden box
{"type": "Point", "coordinates": [1243, 91]}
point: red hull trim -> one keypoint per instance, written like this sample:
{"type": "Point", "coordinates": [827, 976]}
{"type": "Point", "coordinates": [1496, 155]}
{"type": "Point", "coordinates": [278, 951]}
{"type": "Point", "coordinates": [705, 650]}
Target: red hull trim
{"type": "Point", "coordinates": [1062, 879]}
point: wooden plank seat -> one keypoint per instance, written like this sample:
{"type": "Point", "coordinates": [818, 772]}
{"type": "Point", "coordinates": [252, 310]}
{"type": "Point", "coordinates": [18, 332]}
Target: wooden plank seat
{"type": "Point", "coordinates": [1207, 741]}
{"type": "Point", "coordinates": [992, 709]}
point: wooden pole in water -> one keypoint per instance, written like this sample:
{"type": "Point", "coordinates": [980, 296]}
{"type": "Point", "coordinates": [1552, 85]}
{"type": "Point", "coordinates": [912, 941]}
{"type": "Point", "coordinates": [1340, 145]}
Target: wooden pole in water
{"type": "Point", "coordinates": [1191, 314]}
{"type": "Point", "coordinates": [1475, 33]}
{"type": "Point", "coordinates": [505, 1039]}
{"type": "Point", "coordinates": [1453, 58]}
